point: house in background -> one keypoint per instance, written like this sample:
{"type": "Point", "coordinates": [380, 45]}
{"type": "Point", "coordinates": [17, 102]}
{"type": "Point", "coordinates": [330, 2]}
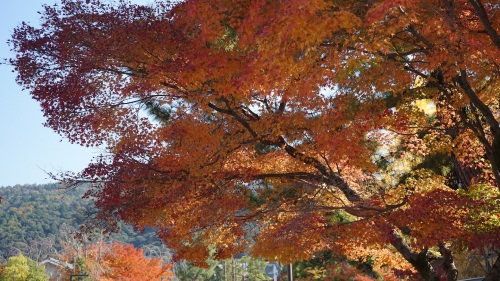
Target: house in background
{"type": "Point", "coordinates": [57, 270]}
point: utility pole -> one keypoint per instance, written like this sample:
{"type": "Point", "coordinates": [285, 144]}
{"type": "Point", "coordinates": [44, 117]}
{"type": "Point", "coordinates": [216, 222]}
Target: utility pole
{"type": "Point", "coordinates": [289, 272]}
{"type": "Point", "coordinates": [234, 270]}
{"type": "Point", "coordinates": [225, 272]}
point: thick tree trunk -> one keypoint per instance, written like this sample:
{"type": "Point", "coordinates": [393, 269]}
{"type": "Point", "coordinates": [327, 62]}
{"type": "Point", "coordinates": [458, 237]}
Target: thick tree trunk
{"type": "Point", "coordinates": [417, 260]}
{"type": "Point", "coordinates": [448, 263]}
{"type": "Point", "coordinates": [422, 261]}
{"type": "Point", "coordinates": [464, 174]}
{"type": "Point", "coordinates": [494, 273]}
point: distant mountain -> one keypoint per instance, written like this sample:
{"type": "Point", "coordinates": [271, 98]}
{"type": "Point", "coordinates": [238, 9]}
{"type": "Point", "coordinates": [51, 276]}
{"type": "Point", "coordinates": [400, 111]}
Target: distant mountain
{"type": "Point", "coordinates": [38, 220]}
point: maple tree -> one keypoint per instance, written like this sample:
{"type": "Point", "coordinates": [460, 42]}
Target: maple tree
{"type": "Point", "coordinates": [291, 126]}
{"type": "Point", "coordinates": [106, 262]}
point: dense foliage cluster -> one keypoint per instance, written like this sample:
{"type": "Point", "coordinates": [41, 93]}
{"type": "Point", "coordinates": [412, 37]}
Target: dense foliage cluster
{"type": "Point", "coordinates": [369, 128]}
{"type": "Point", "coordinates": [108, 262]}
{"type": "Point", "coordinates": [21, 268]}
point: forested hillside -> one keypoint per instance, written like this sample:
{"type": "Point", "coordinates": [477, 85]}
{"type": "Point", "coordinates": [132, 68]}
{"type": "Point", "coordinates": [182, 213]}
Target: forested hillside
{"type": "Point", "coordinates": [38, 220]}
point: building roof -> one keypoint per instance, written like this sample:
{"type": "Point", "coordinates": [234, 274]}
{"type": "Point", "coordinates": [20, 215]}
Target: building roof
{"type": "Point", "coordinates": [57, 263]}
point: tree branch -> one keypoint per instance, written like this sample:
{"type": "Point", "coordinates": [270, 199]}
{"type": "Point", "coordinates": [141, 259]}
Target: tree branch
{"type": "Point", "coordinates": [478, 103]}
{"type": "Point", "coordinates": [494, 273]}
{"type": "Point", "coordinates": [329, 177]}
{"type": "Point", "coordinates": [483, 17]}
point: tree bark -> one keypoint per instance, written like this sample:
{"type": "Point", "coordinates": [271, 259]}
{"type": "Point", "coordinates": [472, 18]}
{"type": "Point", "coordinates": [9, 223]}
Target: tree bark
{"type": "Point", "coordinates": [483, 17]}
{"type": "Point", "coordinates": [448, 263]}
{"type": "Point", "coordinates": [418, 260]}
{"type": "Point", "coordinates": [494, 273]}
{"type": "Point", "coordinates": [422, 261]}
{"type": "Point", "coordinates": [492, 153]}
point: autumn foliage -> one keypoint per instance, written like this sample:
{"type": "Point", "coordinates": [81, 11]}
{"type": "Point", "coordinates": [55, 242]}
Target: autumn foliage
{"type": "Point", "coordinates": [107, 262]}
{"type": "Point", "coordinates": [370, 128]}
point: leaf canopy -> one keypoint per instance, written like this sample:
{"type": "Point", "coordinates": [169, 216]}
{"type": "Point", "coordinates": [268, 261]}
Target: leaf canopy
{"type": "Point", "coordinates": [251, 123]}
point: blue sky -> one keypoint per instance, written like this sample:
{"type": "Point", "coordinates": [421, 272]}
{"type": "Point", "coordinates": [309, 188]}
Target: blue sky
{"type": "Point", "coordinates": [28, 150]}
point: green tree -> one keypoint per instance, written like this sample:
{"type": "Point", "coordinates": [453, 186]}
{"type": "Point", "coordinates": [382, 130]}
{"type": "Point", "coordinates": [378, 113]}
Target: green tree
{"type": "Point", "coordinates": [21, 268]}
{"type": "Point", "coordinates": [186, 271]}
{"type": "Point", "coordinates": [244, 268]}
{"type": "Point", "coordinates": [254, 268]}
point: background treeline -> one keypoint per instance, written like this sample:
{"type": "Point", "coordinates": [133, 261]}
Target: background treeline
{"type": "Point", "coordinates": [38, 220]}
